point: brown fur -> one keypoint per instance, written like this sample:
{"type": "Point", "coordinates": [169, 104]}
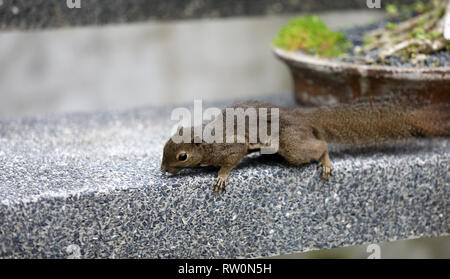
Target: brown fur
{"type": "Point", "coordinates": [375, 122]}
{"type": "Point", "coordinates": [305, 134]}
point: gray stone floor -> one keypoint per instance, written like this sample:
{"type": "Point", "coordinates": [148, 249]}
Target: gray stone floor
{"type": "Point", "coordinates": [89, 185]}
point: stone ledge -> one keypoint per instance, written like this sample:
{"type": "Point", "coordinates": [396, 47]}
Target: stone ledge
{"type": "Point", "coordinates": [88, 185]}
{"type": "Point", "coordinates": [37, 14]}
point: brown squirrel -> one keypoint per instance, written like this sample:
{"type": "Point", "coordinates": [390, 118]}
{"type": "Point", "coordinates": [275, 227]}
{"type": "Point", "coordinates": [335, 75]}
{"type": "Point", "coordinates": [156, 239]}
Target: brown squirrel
{"type": "Point", "coordinates": [304, 135]}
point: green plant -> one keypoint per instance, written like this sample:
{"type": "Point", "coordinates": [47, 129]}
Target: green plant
{"type": "Point", "coordinates": [418, 35]}
{"type": "Point", "coordinates": [392, 10]}
{"type": "Point", "coordinates": [391, 26]}
{"type": "Point", "coordinates": [420, 7]}
{"type": "Point", "coordinates": [311, 34]}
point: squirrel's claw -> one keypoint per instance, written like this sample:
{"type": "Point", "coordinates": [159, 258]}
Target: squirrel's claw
{"type": "Point", "coordinates": [219, 185]}
{"type": "Point", "coordinates": [326, 172]}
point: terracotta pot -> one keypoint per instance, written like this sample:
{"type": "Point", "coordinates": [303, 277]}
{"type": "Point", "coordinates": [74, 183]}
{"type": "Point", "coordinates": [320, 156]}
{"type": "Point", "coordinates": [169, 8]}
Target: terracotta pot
{"type": "Point", "coordinates": [321, 81]}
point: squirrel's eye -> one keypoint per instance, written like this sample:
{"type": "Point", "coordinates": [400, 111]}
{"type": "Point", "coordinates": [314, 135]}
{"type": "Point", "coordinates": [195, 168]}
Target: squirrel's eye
{"type": "Point", "coordinates": [182, 156]}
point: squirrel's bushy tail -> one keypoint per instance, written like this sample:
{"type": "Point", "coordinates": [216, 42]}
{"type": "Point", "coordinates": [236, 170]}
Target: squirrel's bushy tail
{"type": "Point", "coordinates": [377, 122]}
{"type": "Point", "coordinates": [431, 120]}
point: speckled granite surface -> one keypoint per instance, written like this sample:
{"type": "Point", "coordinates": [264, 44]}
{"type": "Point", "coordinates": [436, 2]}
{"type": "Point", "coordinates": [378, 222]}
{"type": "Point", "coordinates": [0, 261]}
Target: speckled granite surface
{"type": "Point", "coordinates": [88, 185]}
{"type": "Point", "coordinates": [37, 14]}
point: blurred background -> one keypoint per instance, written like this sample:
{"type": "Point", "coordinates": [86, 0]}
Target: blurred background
{"type": "Point", "coordinates": [157, 63]}
{"type": "Point", "coordinates": [140, 64]}
{"type": "Point", "coordinates": [421, 248]}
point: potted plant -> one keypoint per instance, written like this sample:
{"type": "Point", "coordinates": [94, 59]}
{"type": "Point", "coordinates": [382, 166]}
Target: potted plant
{"type": "Point", "coordinates": [406, 54]}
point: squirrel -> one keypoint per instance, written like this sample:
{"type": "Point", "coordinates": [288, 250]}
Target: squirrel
{"type": "Point", "coordinates": [304, 135]}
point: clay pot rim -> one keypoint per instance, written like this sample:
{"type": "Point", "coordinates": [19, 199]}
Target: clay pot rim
{"type": "Point", "coordinates": [334, 67]}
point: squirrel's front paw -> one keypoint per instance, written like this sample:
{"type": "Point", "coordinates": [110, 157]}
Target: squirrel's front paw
{"type": "Point", "coordinates": [219, 185]}
{"type": "Point", "coordinates": [326, 172]}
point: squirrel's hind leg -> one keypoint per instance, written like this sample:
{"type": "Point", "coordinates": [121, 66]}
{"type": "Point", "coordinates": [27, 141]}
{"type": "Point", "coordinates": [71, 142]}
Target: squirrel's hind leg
{"type": "Point", "coordinates": [307, 151]}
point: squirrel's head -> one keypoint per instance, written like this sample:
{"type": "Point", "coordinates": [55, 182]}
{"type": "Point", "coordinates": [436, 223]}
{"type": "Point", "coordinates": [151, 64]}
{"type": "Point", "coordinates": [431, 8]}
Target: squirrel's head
{"type": "Point", "coordinates": [177, 156]}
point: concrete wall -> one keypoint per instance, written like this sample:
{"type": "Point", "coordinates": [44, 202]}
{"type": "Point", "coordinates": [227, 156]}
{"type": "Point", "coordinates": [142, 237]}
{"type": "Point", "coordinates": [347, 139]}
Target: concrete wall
{"type": "Point", "coordinates": [124, 66]}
